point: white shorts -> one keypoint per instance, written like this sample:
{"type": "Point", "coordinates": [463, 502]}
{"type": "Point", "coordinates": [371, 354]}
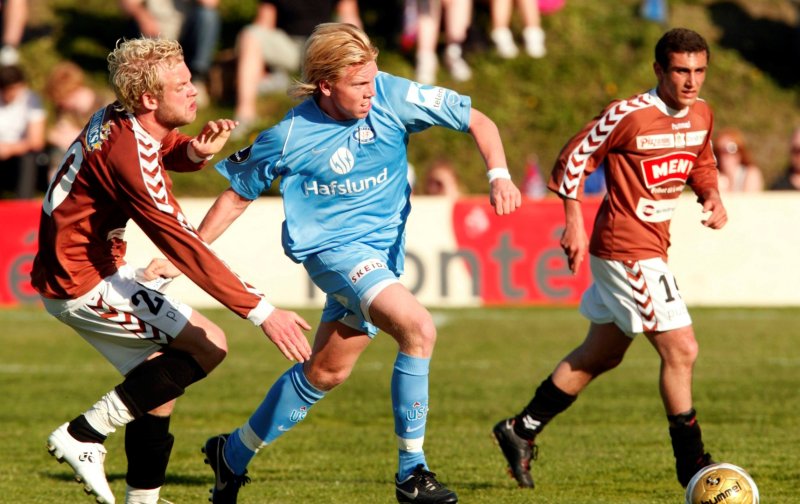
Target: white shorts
{"type": "Point", "coordinates": [122, 319]}
{"type": "Point", "coordinates": [638, 296]}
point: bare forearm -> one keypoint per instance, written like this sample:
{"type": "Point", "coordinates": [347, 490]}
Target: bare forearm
{"type": "Point", "coordinates": [226, 209]}
{"type": "Point", "coordinates": [487, 138]}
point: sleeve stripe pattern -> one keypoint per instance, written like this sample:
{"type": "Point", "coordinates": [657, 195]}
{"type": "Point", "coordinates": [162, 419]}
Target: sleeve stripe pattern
{"type": "Point", "coordinates": [154, 178]}
{"type": "Point", "coordinates": [644, 303]}
{"type": "Point", "coordinates": [598, 134]}
{"type": "Point", "coordinates": [157, 189]}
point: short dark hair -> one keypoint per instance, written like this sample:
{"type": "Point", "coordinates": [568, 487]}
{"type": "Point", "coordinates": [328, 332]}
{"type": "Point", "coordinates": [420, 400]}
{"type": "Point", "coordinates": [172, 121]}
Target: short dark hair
{"type": "Point", "coordinates": [10, 75]}
{"type": "Point", "coordinates": [680, 40]}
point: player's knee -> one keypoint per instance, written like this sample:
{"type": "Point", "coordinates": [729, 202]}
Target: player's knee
{"type": "Point", "coordinates": [214, 350]}
{"type": "Point", "coordinates": [326, 378]}
{"type": "Point", "coordinates": [423, 335]}
{"type": "Point", "coordinates": [684, 351]}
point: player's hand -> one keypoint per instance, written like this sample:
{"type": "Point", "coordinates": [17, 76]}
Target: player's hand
{"type": "Point", "coordinates": [504, 196]}
{"type": "Point", "coordinates": [285, 330]}
{"type": "Point", "coordinates": [160, 268]}
{"type": "Point", "coordinates": [213, 136]}
{"type": "Point", "coordinates": [718, 217]}
{"type": "Point", "coordinates": [575, 244]}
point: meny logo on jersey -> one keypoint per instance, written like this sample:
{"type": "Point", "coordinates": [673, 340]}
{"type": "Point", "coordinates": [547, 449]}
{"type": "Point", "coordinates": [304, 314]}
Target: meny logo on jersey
{"type": "Point", "coordinates": [672, 167]}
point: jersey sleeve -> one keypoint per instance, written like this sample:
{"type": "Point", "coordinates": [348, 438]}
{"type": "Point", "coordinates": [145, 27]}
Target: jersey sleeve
{"type": "Point", "coordinates": [419, 106]}
{"type": "Point", "coordinates": [252, 169]}
{"type": "Point", "coordinates": [581, 155]}
{"type": "Point", "coordinates": [705, 175]}
{"type": "Point", "coordinates": [174, 148]}
{"type": "Point", "coordinates": [142, 191]}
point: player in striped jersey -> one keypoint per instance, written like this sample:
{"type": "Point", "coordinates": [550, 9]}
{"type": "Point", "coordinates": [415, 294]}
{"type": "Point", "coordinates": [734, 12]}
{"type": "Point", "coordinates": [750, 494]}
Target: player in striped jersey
{"type": "Point", "coordinates": [651, 145]}
{"type": "Point", "coordinates": [115, 171]}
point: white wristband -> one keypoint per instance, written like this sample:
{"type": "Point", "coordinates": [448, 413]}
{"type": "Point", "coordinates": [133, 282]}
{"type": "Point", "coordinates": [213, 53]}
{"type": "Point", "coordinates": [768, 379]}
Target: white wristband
{"type": "Point", "coordinates": [498, 173]}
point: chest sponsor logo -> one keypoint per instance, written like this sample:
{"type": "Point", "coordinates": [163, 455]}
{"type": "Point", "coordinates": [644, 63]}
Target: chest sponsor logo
{"type": "Point", "coordinates": [672, 167]}
{"type": "Point", "coordinates": [427, 96]}
{"type": "Point", "coordinates": [363, 268]}
{"type": "Point", "coordinates": [678, 140]}
{"type": "Point", "coordinates": [342, 161]}
{"type": "Point", "coordinates": [656, 210]}
{"type": "Point", "coordinates": [364, 135]}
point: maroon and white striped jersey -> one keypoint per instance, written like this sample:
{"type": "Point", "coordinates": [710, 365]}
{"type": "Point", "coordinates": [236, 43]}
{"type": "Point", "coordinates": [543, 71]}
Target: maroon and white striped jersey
{"type": "Point", "coordinates": [115, 171]}
{"type": "Point", "coordinates": [649, 153]}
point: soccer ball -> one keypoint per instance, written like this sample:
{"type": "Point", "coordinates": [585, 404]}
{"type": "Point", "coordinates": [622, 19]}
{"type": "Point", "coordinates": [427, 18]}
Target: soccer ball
{"type": "Point", "coordinates": [722, 484]}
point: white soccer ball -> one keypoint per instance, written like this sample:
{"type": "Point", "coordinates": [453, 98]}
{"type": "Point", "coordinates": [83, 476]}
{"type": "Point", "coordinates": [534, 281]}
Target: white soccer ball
{"type": "Point", "coordinates": [722, 484]}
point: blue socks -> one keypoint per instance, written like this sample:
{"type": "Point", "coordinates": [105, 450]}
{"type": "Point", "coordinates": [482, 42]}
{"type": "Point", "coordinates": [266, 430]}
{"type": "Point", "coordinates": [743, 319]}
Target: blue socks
{"type": "Point", "coordinates": [410, 405]}
{"type": "Point", "coordinates": [290, 398]}
{"type": "Point", "coordinates": [286, 404]}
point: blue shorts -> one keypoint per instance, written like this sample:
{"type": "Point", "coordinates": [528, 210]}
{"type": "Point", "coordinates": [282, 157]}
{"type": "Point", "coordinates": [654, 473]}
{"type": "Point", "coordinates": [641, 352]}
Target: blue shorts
{"type": "Point", "coordinates": [352, 276]}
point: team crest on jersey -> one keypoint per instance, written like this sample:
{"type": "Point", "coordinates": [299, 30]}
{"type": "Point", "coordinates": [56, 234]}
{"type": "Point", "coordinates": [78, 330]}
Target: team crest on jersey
{"type": "Point", "coordinates": [364, 135]}
{"type": "Point", "coordinates": [427, 96]}
{"type": "Point", "coordinates": [97, 132]}
{"type": "Point", "coordinates": [241, 155]}
{"type": "Point", "coordinates": [673, 167]}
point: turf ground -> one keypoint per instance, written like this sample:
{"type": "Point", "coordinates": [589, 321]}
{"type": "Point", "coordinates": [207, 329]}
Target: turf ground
{"type": "Point", "coordinates": [612, 446]}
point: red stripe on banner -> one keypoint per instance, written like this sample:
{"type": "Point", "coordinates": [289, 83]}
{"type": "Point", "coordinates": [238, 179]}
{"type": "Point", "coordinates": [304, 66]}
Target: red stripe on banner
{"type": "Point", "coordinates": [18, 245]}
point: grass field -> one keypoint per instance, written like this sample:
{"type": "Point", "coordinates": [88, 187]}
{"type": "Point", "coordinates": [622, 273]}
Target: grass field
{"type": "Point", "coordinates": [611, 447]}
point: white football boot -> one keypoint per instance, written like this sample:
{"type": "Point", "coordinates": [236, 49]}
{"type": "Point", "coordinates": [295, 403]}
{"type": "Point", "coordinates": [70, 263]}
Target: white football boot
{"type": "Point", "coordinates": [86, 459]}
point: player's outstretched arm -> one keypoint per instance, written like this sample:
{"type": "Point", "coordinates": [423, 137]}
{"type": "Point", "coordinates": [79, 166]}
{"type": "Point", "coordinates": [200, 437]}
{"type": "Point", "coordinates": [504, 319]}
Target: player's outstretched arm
{"type": "Point", "coordinates": [212, 137]}
{"type": "Point", "coordinates": [285, 330]}
{"type": "Point", "coordinates": [503, 194]}
{"type": "Point", "coordinates": [226, 209]}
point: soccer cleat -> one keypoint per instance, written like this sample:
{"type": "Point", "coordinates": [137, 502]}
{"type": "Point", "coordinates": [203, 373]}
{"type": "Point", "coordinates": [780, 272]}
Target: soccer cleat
{"type": "Point", "coordinates": [227, 484]}
{"type": "Point", "coordinates": [518, 452]}
{"type": "Point", "coordinates": [421, 487]}
{"type": "Point", "coordinates": [86, 459]}
{"type": "Point", "coordinates": [688, 468]}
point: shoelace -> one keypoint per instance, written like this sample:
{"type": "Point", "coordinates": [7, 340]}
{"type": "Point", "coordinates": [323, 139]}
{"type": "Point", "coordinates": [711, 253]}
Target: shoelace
{"type": "Point", "coordinates": [429, 480]}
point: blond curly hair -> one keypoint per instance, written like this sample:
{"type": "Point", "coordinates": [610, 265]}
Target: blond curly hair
{"type": "Point", "coordinates": [329, 51]}
{"type": "Point", "coordinates": [134, 68]}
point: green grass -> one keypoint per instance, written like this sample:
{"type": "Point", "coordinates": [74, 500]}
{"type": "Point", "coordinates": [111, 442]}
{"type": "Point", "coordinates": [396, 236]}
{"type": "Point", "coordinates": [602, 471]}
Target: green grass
{"type": "Point", "coordinates": [611, 447]}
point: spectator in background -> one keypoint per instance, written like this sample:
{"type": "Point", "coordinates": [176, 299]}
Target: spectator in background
{"type": "Point", "coordinates": [195, 24]}
{"type": "Point", "coordinates": [737, 171]}
{"type": "Point", "coordinates": [442, 180]}
{"type": "Point", "coordinates": [73, 102]}
{"type": "Point", "coordinates": [15, 16]}
{"type": "Point", "coordinates": [790, 180]}
{"type": "Point", "coordinates": [654, 10]}
{"type": "Point", "coordinates": [271, 47]}
{"type": "Point", "coordinates": [532, 33]}
{"type": "Point", "coordinates": [457, 19]}
{"type": "Point", "coordinates": [22, 131]}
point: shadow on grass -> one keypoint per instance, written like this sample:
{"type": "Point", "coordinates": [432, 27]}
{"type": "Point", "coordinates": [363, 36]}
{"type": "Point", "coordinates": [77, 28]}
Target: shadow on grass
{"type": "Point", "coordinates": [771, 45]}
{"type": "Point", "coordinates": [172, 479]}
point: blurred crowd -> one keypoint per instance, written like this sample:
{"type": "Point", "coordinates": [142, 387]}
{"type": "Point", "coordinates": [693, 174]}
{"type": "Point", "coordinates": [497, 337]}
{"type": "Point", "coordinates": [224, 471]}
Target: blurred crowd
{"type": "Point", "coordinates": [37, 126]}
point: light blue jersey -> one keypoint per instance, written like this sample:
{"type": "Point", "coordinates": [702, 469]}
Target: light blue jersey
{"type": "Point", "coordinates": [345, 181]}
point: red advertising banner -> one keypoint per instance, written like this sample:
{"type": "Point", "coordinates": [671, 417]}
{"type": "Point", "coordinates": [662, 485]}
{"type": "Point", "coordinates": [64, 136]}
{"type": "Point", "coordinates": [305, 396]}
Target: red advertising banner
{"type": "Point", "coordinates": [18, 240]}
{"type": "Point", "coordinates": [518, 257]}
{"type": "Point", "coordinates": [511, 259]}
